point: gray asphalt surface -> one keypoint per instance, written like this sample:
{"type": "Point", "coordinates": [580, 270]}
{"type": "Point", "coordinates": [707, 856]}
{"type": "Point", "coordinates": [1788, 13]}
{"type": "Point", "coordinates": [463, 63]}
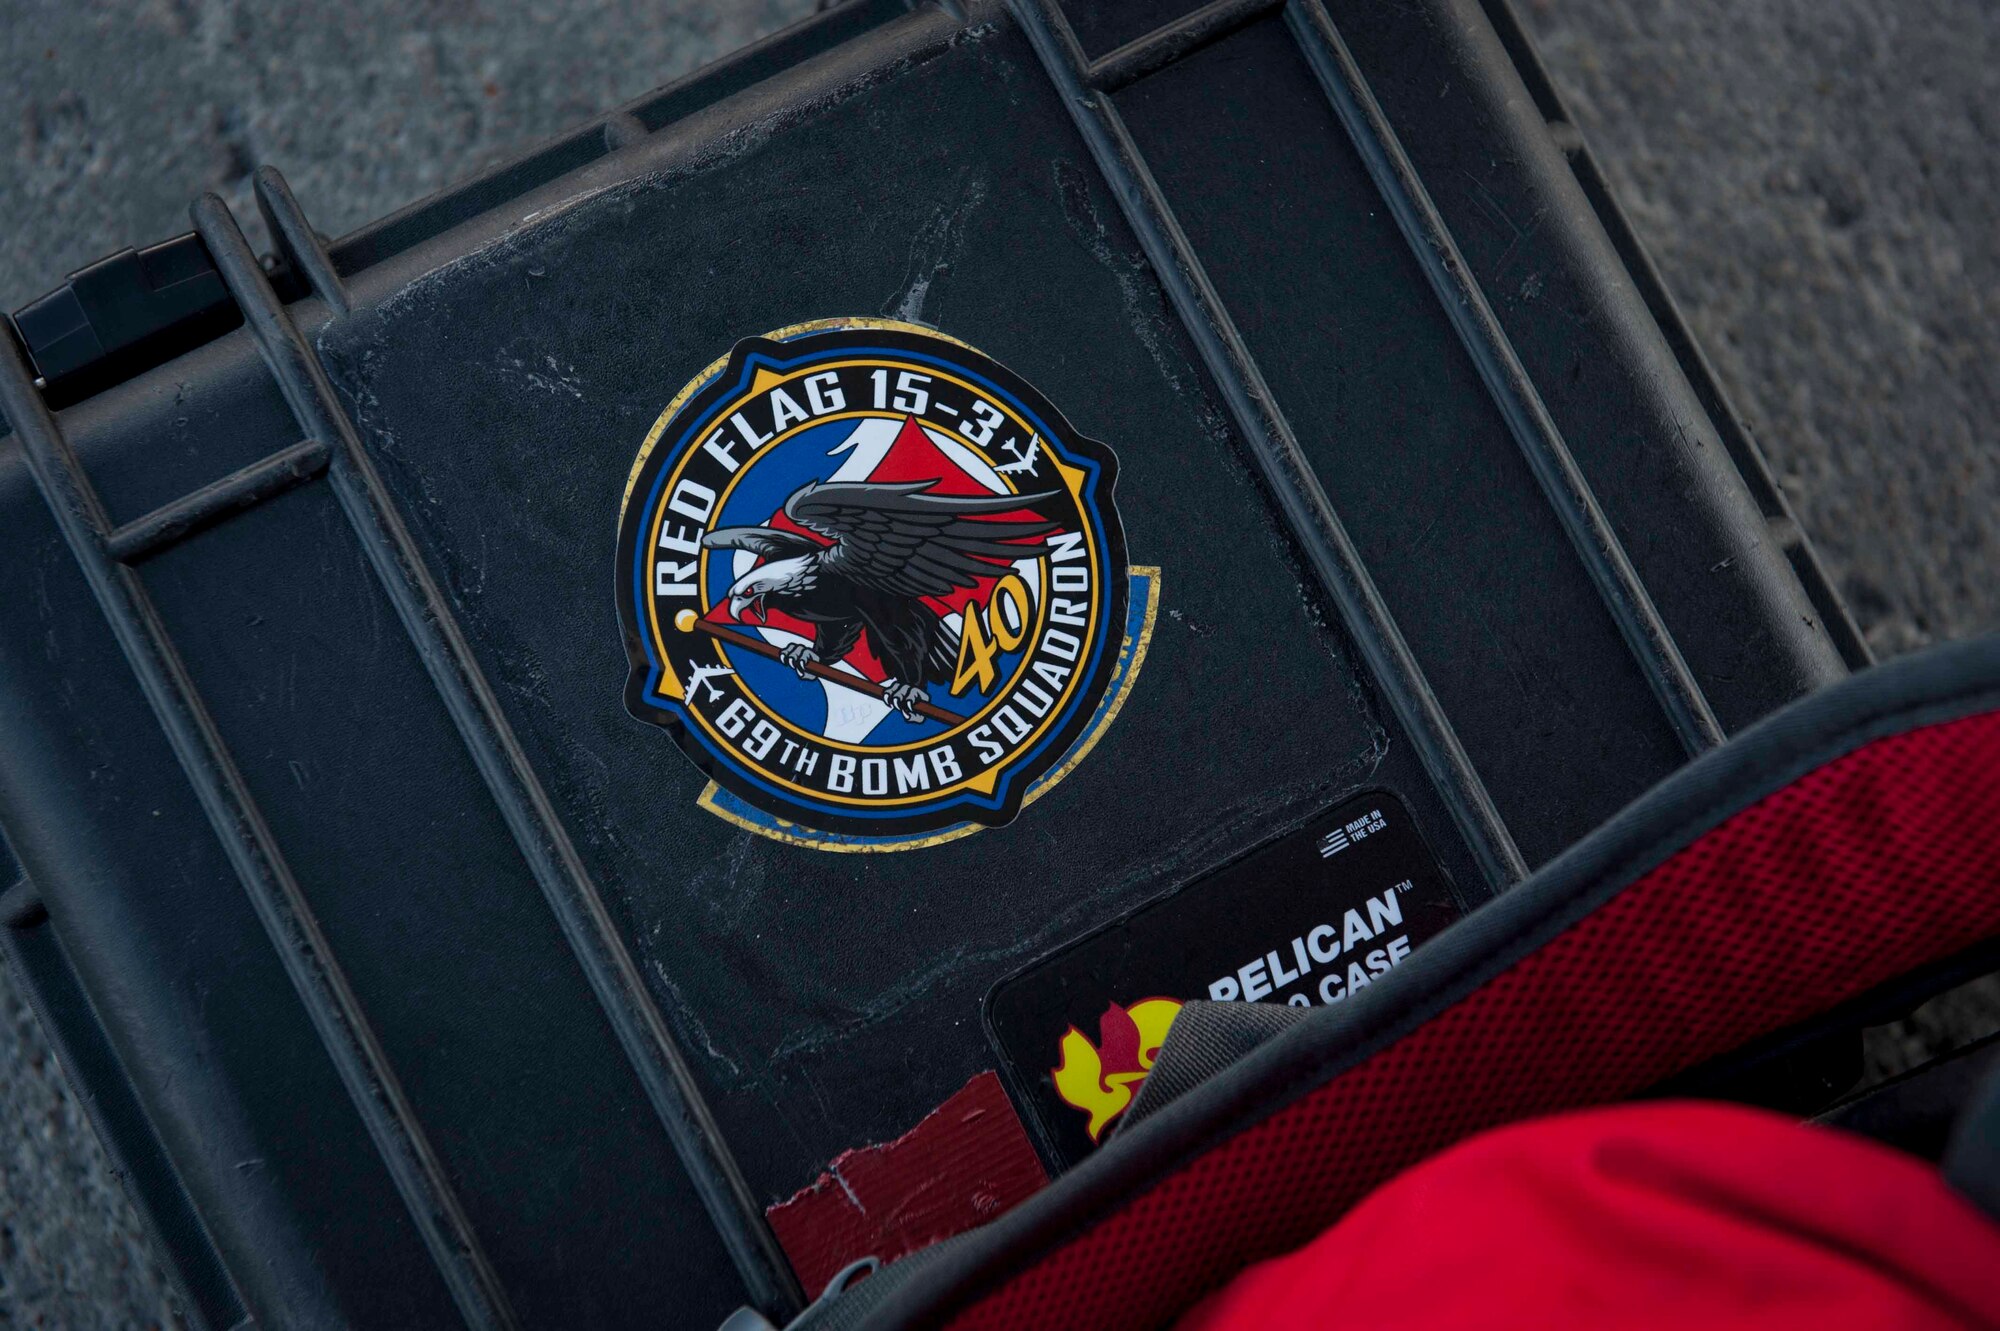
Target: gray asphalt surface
{"type": "Point", "coordinates": [1818, 179]}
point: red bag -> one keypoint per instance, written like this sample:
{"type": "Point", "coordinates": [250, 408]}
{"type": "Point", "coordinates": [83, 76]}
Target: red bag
{"type": "Point", "coordinates": [1666, 1215]}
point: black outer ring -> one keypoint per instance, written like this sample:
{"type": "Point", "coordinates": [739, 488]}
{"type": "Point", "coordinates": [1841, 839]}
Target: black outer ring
{"type": "Point", "coordinates": [1085, 701]}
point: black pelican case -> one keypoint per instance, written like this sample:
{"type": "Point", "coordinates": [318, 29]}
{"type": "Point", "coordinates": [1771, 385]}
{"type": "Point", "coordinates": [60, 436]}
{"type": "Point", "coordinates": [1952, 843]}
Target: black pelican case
{"type": "Point", "coordinates": [403, 971]}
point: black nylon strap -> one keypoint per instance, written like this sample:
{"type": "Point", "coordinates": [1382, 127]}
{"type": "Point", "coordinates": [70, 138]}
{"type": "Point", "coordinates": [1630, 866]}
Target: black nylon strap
{"type": "Point", "coordinates": [1206, 1038]}
{"type": "Point", "coordinates": [1972, 1160]}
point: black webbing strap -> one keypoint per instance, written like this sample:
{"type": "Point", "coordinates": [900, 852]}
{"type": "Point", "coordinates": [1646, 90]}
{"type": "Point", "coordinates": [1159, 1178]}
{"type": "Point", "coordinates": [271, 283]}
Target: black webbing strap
{"type": "Point", "coordinates": [1972, 1159]}
{"type": "Point", "coordinates": [1205, 1039]}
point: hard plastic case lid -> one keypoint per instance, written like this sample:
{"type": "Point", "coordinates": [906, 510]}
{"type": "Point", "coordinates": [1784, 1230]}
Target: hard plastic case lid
{"type": "Point", "coordinates": [315, 749]}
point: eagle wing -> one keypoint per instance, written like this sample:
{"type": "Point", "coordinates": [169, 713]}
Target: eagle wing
{"type": "Point", "coordinates": [764, 542]}
{"type": "Point", "coordinates": [904, 540]}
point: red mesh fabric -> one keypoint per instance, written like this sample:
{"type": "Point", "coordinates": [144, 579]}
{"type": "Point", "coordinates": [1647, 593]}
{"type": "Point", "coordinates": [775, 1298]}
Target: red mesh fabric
{"type": "Point", "coordinates": [1641, 1217]}
{"type": "Point", "coordinates": [1872, 865]}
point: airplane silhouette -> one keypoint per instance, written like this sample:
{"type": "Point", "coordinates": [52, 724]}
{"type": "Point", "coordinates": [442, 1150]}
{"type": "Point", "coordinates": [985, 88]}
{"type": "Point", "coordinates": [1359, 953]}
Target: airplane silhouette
{"type": "Point", "coordinates": [700, 675]}
{"type": "Point", "coordinates": [1024, 459]}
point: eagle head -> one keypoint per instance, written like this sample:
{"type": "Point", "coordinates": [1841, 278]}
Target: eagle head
{"type": "Point", "coordinates": [780, 577]}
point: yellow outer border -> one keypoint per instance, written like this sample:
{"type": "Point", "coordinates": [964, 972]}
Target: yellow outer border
{"type": "Point", "coordinates": [1043, 783]}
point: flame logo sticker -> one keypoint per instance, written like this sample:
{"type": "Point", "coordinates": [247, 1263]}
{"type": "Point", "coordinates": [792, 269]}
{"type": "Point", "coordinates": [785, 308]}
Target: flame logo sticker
{"type": "Point", "coordinates": [1101, 1079]}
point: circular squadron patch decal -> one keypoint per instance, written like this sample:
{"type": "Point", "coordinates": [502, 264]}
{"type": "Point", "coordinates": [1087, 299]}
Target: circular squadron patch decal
{"type": "Point", "coordinates": [874, 586]}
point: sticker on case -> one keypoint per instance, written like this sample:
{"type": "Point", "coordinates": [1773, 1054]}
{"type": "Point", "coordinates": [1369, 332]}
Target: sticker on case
{"type": "Point", "coordinates": [874, 585]}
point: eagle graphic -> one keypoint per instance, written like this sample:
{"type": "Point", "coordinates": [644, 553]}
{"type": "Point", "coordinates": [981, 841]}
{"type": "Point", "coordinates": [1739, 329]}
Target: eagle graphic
{"type": "Point", "coordinates": [892, 546]}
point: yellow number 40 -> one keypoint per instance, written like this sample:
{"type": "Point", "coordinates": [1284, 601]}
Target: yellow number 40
{"type": "Point", "coordinates": [998, 628]}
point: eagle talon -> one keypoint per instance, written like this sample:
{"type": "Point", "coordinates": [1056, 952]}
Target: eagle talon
{"type": "Point", "coordinates": [798, 656]}
{"type": "Point", "coordinates": [905, 698]}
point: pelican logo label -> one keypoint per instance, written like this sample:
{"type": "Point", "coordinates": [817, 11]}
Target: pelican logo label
{"type": "Point", "coordinates": [1285, 923]}
{"type": "Point", "coordinates": [1102, 1079]}
{"type": "Point", "coordinates": [875, 587]}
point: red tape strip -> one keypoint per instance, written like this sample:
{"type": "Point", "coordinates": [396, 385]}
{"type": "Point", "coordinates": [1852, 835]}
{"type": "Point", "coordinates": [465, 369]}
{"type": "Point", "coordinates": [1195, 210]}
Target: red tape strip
{"type": "Point", "coordinates": [965, 1163]}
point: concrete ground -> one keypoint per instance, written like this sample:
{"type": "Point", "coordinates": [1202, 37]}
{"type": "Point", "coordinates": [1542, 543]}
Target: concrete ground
{"type": "Point", "coordinates": [1818, 179]}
